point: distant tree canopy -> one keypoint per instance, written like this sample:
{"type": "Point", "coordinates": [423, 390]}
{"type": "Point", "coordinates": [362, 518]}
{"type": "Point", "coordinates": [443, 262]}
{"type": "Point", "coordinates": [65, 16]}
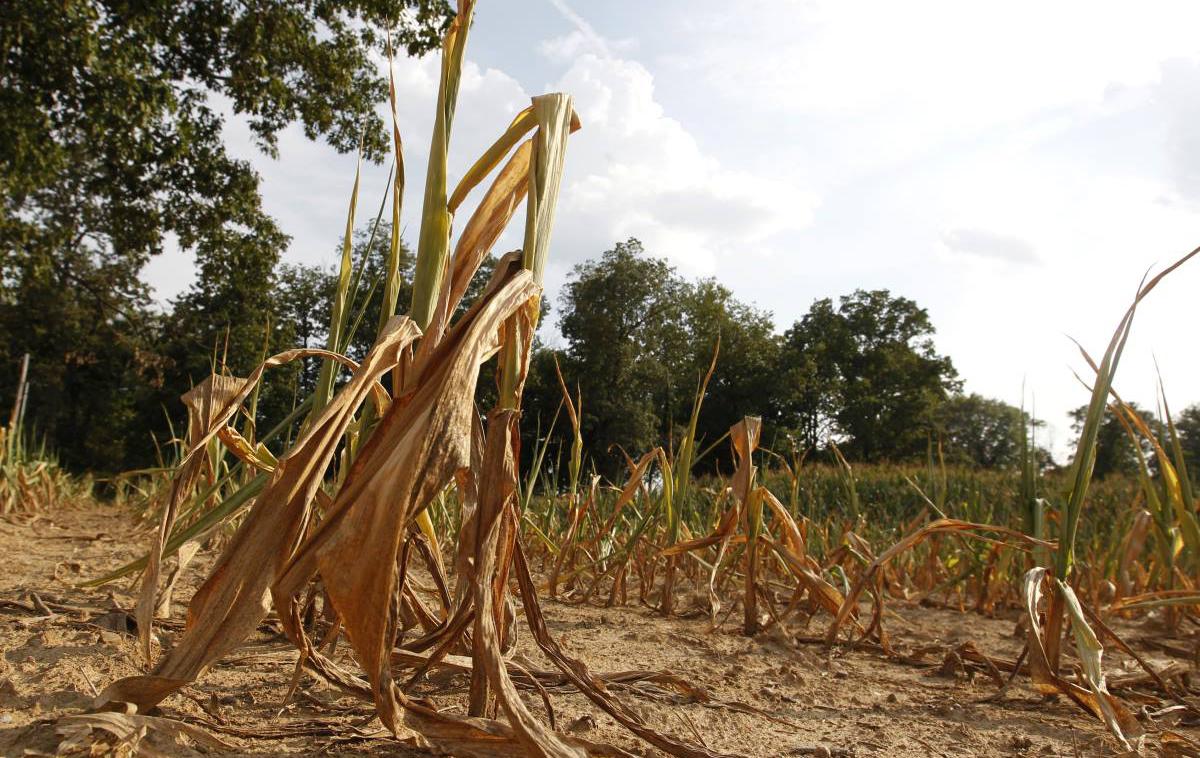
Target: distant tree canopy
{"type": "Point", "coordinates": [867, 370]}
{"type": "Point", "coordinates": [980, 430]}
{"type": "Point", "coordinates": [636, 339]}
{"type": "Point", "coordinates": [639, 338]}
{"type": "Point", "coordinates": [1187, 425]}
{"type": "Point", "coordinates": [111, 149]}
{"type": "Point", "coordinates": [863, 373]}
{"type": "Point", "coordinates": [1115, 451]}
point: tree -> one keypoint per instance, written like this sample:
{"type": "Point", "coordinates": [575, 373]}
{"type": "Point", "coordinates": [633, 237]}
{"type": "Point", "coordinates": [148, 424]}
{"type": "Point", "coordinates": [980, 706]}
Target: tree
{"type": "Point", "coordinates": [809, 394]}
{"type": "Point", "coordinates": [980, 430]}
{"type": "Point", "coordinates": [866, 371]}
{"type": "Point", "coordinates": [229, 306]}
{"type": "Point", "coordinates": [743, 381]}
{"type": "Point", "coordinates": [621, 316]}
{"type": "Point", "coordinates": [1187, 425]}
{"type": "Point", "coordinates": [639, 339]}
{"type": "Point", "coordinates": [303, 299]}
{"type": "Point", "coordinates": [111, 138]}
{"type": "Point", "coordinates": [111, 148]}
{"type": "Point", "coordinates": [89, 367]}
{"type": "Point", "coordinates": [1115, 453]}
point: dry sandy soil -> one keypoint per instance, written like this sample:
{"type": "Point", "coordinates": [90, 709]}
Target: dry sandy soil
{"type": "Point", "coordinates": [769, 695]}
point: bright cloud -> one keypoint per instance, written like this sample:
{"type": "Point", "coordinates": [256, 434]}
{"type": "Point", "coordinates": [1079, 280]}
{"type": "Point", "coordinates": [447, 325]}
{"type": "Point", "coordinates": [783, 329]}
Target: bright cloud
{"type": "Point", "coordinates": [987, 244]}
{"type": "Point", "coordinates": [1015, 168]}
{"type": "Point", "coordinates": [635, 171]}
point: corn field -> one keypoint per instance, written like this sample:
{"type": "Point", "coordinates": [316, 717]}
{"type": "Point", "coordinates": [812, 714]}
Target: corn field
{"type": "Point", "coordinates": [389, 512]}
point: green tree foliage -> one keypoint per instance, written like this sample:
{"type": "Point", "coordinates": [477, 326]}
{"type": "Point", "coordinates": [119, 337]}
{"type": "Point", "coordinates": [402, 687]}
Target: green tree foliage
{"type": "Point", "coordinates": [302, 298]}
{"type": "Point", "coordinates": [638, 340]}
{"type": "Point", "coordinates": [1187, 424]}
{"type": "Point", "coordinates": [620, 316]}
{"type": "Point", "coordinates": [90, 364]}
{"type": "Point", "coordinates": [1115, 451]}
{"type": "Point", "coordinates": [809, 394]}
{"type": "Point", "coordinates": [866, 372]}
{"type": "Point", "coordinates": [979, 430]}
{"type": "Point", "coordinates": [744, 380]}
{"type": "Point", "coordinates": [111, 149]}
{"type": "Point", "coordinates": [225, 311]}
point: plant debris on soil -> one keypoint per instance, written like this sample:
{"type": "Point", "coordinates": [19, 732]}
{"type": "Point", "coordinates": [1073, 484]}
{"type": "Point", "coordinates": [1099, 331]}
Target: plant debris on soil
{"type": "Point", "coordinates": [778, 693]}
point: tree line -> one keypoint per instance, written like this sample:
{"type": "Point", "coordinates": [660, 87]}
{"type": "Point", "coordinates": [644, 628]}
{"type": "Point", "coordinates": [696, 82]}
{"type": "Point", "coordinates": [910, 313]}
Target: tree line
{"type": "Point", "coordinates": [111, 150]}
{"type": "Point", "coordinates": [860, 373]}
{"type": "Point", "coordinates": [633, 340]}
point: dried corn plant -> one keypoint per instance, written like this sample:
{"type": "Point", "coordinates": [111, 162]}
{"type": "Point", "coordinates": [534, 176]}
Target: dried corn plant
{"type": "Point", "coordinates": [340, 514]}
{"type": "Point", "coordinates": [764, 544]}
{"type": "Point", "coordinates": [1045, 625]}
{"type": "Point", "coordinates": [341, 518]}
{"type": "Point", "coordinates": [31, 481]}
{"type": "Point", "coordinates": [761, 546]}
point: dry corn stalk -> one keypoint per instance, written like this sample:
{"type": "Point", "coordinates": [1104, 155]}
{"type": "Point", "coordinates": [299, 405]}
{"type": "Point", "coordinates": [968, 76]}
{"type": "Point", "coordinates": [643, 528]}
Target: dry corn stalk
{"type": "Point", "coordinates": [231, 603]}
{"type": "Point", "coordinates": [205, 403]}
{"type": "Point", "coordinates": [1095, 698]}
{"type": "Point", "coordinates": [211, 405]}
{"type": "Point", "coordinates": [872, 573]}
{"type": "Point", "coordinates": [746, 510]}
{"type": "Point", "coordinates": [357, 538]}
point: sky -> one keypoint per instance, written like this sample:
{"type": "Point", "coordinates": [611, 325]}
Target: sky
{"type": "Point", "coordinates": [1015, 168]}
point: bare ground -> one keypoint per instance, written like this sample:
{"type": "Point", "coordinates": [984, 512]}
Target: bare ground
{"type": "Point", "coordinates": [769, 695]}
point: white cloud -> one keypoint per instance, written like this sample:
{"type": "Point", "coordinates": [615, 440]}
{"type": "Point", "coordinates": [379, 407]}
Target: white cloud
{"type": "Point", "coordinates": [583, 38]}
{"type": "Point", "coordinates": [170, 272]}
{"type": "Point", "coordinates": [894, 80]}
{"type": "Point", "coordinates": [636, 171]}
{"type": "Point", "coordinates": [633, 171]}
{"type": "Point", "coordinates": [856, 55]}
{"type": "Point", "coordinates": [987, 244]}
{"type": "Point", "coordinates": [569, 46]}
{"type": "Point", "coordinates": [1179, 93]}
{"type": "Point", "coordinates": [940, 138]}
